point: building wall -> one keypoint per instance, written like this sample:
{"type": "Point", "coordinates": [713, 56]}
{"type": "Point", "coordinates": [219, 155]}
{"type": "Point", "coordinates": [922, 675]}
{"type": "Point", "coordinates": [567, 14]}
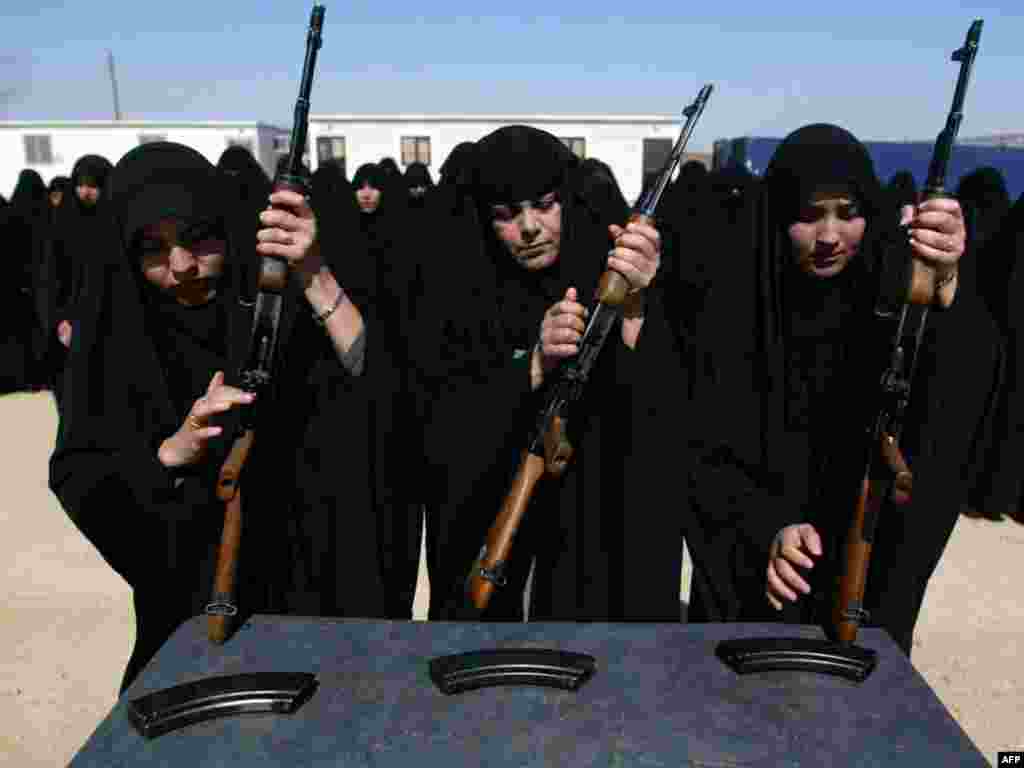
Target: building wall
{"type": "Point", "coordinates": [69, 142]}
{"type": "Point", "coordinates": [620, 144]}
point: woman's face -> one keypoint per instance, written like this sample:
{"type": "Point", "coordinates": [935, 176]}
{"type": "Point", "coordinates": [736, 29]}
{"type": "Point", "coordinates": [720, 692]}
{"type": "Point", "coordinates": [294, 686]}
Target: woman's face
{"type": "Point", "coordinates": [531, 231]}
{"type": "Point", "coordinates": [368, 198]}
{"type": "Point", "coordinates": [827, 233]}
{"type": "Point", "coordinates": [183, 259]}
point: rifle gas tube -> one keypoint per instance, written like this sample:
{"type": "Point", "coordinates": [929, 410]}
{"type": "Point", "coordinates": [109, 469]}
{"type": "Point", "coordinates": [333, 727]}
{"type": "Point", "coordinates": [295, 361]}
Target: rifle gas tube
{"type": "Point", "coordinates": [549, 450]}
{"type": "Point", "coordinates": [887, 477]}
{"type": "Point", "coordinates": [258, 369]}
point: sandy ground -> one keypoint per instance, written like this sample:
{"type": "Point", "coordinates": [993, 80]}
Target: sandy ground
{"type": "Point", "coordinates": [68, 625]}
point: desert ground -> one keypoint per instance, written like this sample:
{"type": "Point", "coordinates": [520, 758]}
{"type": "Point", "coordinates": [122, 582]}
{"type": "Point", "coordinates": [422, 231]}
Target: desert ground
{"type": "Point", "coordinates": [68, 626]}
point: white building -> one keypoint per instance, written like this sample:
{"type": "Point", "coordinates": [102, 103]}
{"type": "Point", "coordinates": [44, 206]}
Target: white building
{"type": "Point", "coordinates": [633, 145]}
{"type": "Point", "coordinates": [52, 147]}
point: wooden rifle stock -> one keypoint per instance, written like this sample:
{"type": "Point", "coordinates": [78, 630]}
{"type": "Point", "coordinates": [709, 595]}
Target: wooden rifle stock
{"type": "Point", "coordinates": [897, 484]}
{"type": "Point", "coordinates": [488, 570]}
{"type": "Point", "coordinates": [222, 608]}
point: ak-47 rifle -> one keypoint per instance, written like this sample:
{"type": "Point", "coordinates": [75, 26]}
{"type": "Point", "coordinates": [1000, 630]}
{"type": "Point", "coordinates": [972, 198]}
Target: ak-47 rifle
{"type": "Point", "coordinates": [886, 474]}
{"type": "Point", "coordinates": [257, 371]}
{"type": "Point", "coordinates": [549, 450]}
{"type": "Point", "coordinates": [887, 477]}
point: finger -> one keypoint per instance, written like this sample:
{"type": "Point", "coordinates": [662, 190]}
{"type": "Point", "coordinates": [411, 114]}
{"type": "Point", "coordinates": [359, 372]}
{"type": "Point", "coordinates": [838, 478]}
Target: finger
{"type": "Point", "coordinates": [216, 381]}
{"type": "Point", "coordinates": [792, 579]}
{"type": "Point", "coordinates": [938, 240]}
{"type": "Point", "coordinates": [794, 555]}
{"type": "Point", "coordinates": [282, 220]}
{"type": "Point", "coordinates": [615, 230]}
{"type": "Point", "coordinates": [275, 235]}
{"type": "Point", "coordinates": [207, 432]}
{"type": "Point", "coordinates": [568, 321]}
{"type": "Point", "coordinates": [946, 204]}
{"type": "Point", "coordinates": [638, 244]}
{"type": "Point", "coordinates": [811, 540]}
{"type": "Point", "coordinates": [775, 603]}
{"type": "Point", "coordinates": [777, 587]}
{"type": "Point", "coordinates": [940, 221]}
{"type": "Point", "coordinates": [645, 231]}
{"type": "Point", "coordinates": [565, 336]}
{"type": "Point", "coordinates": [906, 214]}
{"type": "Point", "coordinates": [287, 198]}
{"type": "Point", "coordinates": [569, 307]}
{"type": "Point", "coordinates": [286, 252]}
{"type": "Point", "coordinates": [560, 350]}
{"type": "Point", "coordinates": [928, 253]}
{"type": "Point", "coordinates": [635, 277]}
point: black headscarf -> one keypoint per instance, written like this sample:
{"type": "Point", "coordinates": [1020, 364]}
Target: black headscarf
{"type": "Point", "coordinates": [458, 163]}
{"type": "Point", "coordinates": [985, 203]}
{"type": "Point", "coordinates": [59, 184]}
{"type": "Point", "coordinates": [418, 175]}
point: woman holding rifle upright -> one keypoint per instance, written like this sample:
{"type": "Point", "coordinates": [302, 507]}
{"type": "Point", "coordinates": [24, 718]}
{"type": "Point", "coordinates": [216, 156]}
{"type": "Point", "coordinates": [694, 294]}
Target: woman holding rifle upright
{"type": "Point", "coordinates": [805, 343]}
{"type": "Point", "coordinates": [501, 306]}
{"type": "Point", "coordinates": [146, 410]}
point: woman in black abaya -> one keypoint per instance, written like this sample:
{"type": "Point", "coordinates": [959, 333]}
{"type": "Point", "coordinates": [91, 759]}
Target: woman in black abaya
{"type": "Point", "coordinates": [60, 269]}
{"type": "Point", "coordinates": [148, 418]}
{"type": "Point", "coordinates": [25, 225]}
{"type": "Point", "coordinates": [828, 268]}
{"type": "Point", "coordinates": [495, 317]}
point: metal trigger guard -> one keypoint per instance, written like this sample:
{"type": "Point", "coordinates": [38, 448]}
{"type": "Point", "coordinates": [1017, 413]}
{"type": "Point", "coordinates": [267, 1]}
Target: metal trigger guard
{"type": "Point", "coordinates": [774, 654]}
{"type": "Point", "coordinates": [514, 666]}
{"type": "Point", "coordinates": [214, 697]}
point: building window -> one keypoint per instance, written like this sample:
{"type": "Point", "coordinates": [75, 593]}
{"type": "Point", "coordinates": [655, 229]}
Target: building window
{"type": "Point", "coordinates": [244, 143]}
{"type": "Point", "coordinates": [656, 154]}
{"type": "Point", "coordinates": [415, 149]}
{"type": "Point", "coordinates": [38, 150]}
{"type": "Point", "coordinates": [149, 138]}
{"type": "Point", "coordinates": [331, 148]}
{"type": "Point", "coordinates": [576, 145]}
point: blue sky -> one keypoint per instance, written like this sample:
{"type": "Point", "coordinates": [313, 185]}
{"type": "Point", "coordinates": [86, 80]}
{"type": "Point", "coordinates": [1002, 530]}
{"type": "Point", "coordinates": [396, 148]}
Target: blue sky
{"type": "Point", "coordinates": [881, 69]}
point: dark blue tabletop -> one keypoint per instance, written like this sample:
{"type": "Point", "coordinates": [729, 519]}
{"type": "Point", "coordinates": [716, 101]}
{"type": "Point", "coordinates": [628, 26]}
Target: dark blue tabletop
{"type": "Point", "coordinates": [660, 697]}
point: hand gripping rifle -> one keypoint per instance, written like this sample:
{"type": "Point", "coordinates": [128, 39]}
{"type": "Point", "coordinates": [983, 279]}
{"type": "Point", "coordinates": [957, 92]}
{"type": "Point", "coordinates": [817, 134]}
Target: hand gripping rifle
{"type": "Point", "coordinates": [887, 476]}
{"type": "Point", "coordinates": [258, 369]}
{"type": "Point", "coordinates": [549, 450]}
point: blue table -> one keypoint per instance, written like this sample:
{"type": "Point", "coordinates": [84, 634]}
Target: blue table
{"type": "Point", "coordinates": [660, 697]}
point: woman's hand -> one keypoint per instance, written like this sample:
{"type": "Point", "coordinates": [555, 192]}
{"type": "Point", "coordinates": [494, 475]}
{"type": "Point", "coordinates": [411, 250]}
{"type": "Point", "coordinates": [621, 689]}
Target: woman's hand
{"type": "Point", "coordinates": [938, 239]}
{"type": "Point", "coordinates": [290, 232]}
{"type": "Point", "coordinates": [560, 334]}
{"type": "Point", "coordinates": [188, 444]}
{"type": "Point", "coordinates": [790, 547]}
{"type": "Point", "coordinates": [637, 253]}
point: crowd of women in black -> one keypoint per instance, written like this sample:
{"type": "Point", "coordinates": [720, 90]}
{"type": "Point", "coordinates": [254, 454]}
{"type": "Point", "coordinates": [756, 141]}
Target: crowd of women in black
{"type": "Point", "coordinates": [420, 327]}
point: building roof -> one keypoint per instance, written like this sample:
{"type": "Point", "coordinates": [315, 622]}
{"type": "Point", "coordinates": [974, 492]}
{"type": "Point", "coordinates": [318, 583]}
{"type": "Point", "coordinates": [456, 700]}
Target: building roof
{"type": "Point", "coordinates": [134, 124]}
{"type": "Point", "coordinates": [497, 118]}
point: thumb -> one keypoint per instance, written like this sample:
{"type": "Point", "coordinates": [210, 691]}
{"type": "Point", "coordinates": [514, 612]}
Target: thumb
{"type": "Point", "coordinates": [216, 381]}
{"type": "Point", "coordinates": [615, 230]}
{"type": "Point", "coordinates": [906, 214]}
{"type": "Point", "coordinates": [811, 539]}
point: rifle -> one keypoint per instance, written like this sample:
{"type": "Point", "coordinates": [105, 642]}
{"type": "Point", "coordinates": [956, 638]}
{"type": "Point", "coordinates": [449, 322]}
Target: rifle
{"type": "Point", "coordinates": [549, 450]}
{"type": "Point", "coordinates": [257, 371]}
{"type": "Point", "coordinates": [886, 474]}
{"type": "Point", "coordinates": [887, 477]}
